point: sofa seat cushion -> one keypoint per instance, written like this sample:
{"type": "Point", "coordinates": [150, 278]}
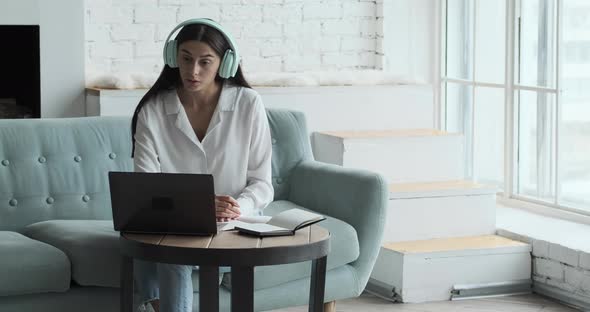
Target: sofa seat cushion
{"type": "Point", "coordinates": [344, 248]}
{"type": "Point", "coordinates": [91, 245]}
{"type": "Point", "coordinates": [28, 266]}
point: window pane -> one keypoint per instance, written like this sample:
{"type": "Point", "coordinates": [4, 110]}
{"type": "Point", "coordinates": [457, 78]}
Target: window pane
{"type": "Point", "coordinates": [489, 136]}
{"type": "Point", "coordinates": [536, 58]}
{"type": "Point", "coordinates": [490, 41]}
{"type": "Point", "coordinates": [459, 44]}
{"type": "Point", "coordinates": [459, 108]}
{"type": "Point", "coordinates": [536, 144]}
{"type": "Point", "coordinates": [574, 155]}
{"type": "Point", "coordinates": [574, 130]}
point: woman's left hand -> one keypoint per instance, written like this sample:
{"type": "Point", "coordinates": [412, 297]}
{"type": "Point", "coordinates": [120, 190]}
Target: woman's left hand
{"type": "Point", "coordinates": [226, 208]}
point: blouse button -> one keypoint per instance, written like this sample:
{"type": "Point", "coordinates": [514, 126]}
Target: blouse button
{"type": "Point", "coordinates": [112, 155]}
{"type": "Point", "coordinates": [5, 162]}
{"type": "Point", "coordinates": [13, 202]}
{"type": "Point", "coordinates": [42, 159]}
{"type": "Point", "coordinates": [274, 141]}
{"type": "Point", "coordinates": [49, 200]}
{"type": "Point", "coordinates": [77, 159]}
{"type": "Point", "coordinates": [279, 180]}
{"type": "Point", "coordinates": [85, 198]}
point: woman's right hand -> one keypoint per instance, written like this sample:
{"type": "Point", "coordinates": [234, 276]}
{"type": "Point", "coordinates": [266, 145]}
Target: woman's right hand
{"type": "Point", "coordinates": [226, 208]}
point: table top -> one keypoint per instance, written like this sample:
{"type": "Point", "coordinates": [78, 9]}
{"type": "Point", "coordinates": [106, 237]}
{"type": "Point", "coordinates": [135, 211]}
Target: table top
{"type": "Point", "coordinates": [228, 247]}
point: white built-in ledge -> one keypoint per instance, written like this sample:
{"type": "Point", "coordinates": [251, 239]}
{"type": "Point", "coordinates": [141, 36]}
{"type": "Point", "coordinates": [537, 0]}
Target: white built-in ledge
{"type": "Point", "coordinates": [532, 226]}
{"type": "Point", "coordinates": [326, 108]}
{"type": "Point", "coordinates": [268, 79]}
{"type": "Point", "coordinates": [118, 92]}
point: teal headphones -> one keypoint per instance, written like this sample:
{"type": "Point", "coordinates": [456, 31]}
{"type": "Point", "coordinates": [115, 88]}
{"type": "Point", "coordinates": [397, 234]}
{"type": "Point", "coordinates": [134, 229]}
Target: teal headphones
{"type": "Point", "coordinates": [230, 61]}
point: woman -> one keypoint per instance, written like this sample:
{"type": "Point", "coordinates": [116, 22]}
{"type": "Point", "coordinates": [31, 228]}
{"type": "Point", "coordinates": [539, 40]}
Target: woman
{"type": "Point", "coordinates": [201, 116]}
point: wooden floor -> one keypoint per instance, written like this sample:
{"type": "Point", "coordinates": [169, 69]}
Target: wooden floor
{"type": "Point", "coordinates": [521, 303]}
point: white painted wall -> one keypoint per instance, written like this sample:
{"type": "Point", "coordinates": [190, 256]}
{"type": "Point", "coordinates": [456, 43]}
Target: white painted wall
{"type": "Point", "coordinates": [61, 25]}
{"type": "Point", "coordinates": [62, 58]}
{"type": "Point", "coordinates": [23, 12]}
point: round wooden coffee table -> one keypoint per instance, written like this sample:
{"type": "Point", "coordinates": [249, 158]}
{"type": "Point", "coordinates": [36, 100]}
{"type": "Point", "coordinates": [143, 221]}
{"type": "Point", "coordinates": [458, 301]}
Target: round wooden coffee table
{"type": "Point", "coordinates": [238, 251]}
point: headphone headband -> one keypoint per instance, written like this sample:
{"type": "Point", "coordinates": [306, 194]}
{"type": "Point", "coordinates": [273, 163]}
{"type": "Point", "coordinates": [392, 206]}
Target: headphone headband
{"type": "Point", "coordinates": [210, 23]}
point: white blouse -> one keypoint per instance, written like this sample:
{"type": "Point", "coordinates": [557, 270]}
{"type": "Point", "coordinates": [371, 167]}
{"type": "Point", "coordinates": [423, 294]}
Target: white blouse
{"type": "Point", "coordinates": [236, 148]}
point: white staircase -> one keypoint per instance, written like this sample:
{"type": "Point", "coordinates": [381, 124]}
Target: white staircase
{"type": "Point", "coordinates": [439, 241]}
{"type": "Point", "coordinates": [428, 210]}
{"type": "Point", "coordinates": [433, 270]}
{"type": "Point", "coordinates": [389, 152]}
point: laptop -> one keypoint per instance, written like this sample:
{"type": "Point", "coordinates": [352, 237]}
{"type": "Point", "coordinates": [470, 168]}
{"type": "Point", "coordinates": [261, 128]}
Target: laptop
{"type": "Point", "coordinates": [164, 203]}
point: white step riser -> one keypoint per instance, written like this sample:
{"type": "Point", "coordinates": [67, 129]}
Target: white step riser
{"type": "Point", "coordinates": [402, 159]}
{"type": "Point", "coordinates": [440, 217]}
{"type": "Point", "coordinates": [356, 107]}
{"type": "Point", "coordinates": [420, 278]}
{"type": "Point", "coordinates": [452, 271]}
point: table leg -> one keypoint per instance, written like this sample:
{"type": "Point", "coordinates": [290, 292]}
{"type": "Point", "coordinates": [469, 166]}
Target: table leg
{"type": "Point", "coordinates": [208, 288]}
{"type": "Point", "coordinates": [242, 289]}
{"type": "Point", "coordinates": [126, 290]}
{"type": "Point", "coordinates": [318, 284]}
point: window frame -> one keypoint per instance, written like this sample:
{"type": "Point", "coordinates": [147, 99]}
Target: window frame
{"type": "Point", "coordinates": [510, 194]}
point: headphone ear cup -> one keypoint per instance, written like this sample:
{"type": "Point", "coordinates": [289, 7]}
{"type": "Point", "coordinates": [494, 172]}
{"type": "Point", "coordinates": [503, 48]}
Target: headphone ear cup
{"type": "Point", "coordinates": [235, 64]}
{"type": "Point", "coordinates": [171, 52]}
{"type": "Point", "coordinates": [226, 64]}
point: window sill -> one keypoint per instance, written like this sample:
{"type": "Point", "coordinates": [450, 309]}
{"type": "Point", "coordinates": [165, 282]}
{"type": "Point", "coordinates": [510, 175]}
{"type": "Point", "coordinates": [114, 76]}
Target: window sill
{"type": "Point", "coordinates": [544, 225]}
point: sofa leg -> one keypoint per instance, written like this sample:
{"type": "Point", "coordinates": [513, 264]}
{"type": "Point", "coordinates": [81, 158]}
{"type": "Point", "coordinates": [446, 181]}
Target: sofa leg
{"type": "Point", "coordinates": [330, 306]}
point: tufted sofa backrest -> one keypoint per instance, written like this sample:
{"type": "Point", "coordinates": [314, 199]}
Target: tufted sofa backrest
{"type": "Point", "coordinates": [58, 168]}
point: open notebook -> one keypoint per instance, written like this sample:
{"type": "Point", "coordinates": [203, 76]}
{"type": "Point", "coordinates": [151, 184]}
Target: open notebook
{"type": "Point", "coordinates": [230, 225]}
{"type": "Point", "coordinates": [284, 223]}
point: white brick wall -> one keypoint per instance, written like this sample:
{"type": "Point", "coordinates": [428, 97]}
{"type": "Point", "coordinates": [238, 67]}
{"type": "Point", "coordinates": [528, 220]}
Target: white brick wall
{"type": "Point", "coordinates": [558, 266]}
{"type": "Point", "coordinates": [585, 261]}
{"type": "Point", "coordinates": [273, 35]}
{"type": "Point", "coordinates": [549, 268]}
{"type": "Point", "coordinates": [541, 248]}
{"type": "Point", "coordinates": [564, 255]}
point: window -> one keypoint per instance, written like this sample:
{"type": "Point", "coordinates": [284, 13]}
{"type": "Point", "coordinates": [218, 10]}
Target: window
{"type": "Point", "coordinates": [574, 122]}
{"type": "Point", "coordinates": [473, 84]}
{"type": "Point", "coordinates": [515, 80]}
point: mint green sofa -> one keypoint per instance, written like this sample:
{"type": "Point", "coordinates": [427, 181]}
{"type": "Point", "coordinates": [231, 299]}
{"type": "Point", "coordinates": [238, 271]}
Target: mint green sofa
{"type": "Point", "coordinates": [58, 249]}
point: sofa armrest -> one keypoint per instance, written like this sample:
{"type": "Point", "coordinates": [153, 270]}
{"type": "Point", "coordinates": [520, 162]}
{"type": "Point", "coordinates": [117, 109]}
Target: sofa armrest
{"type": "Point", "coordinates": [358, 197]}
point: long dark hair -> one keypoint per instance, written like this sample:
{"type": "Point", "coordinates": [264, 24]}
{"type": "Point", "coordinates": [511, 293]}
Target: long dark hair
{"type": "Point", "coordinates": [170, 77]}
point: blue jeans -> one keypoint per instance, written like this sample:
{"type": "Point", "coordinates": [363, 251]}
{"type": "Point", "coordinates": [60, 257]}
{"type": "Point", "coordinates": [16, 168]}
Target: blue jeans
{"type": "Point", "coordinates": [171, 283]}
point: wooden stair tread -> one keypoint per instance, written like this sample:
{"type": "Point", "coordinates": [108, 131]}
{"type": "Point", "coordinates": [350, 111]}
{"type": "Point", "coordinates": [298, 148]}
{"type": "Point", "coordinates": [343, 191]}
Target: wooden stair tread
{"type": "Point", "coordinates": [437, 185]}
{"type": "Point", "coordinates": [439, 189]}
{"type": "Point", "coordinates": [367, 134]}
{"type": "Point", "coordinates": [453, 244]}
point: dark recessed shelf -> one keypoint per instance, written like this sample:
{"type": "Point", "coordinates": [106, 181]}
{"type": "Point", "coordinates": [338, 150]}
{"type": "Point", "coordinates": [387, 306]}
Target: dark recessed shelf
{"type": "Point", "coordinates": [20, 82]}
